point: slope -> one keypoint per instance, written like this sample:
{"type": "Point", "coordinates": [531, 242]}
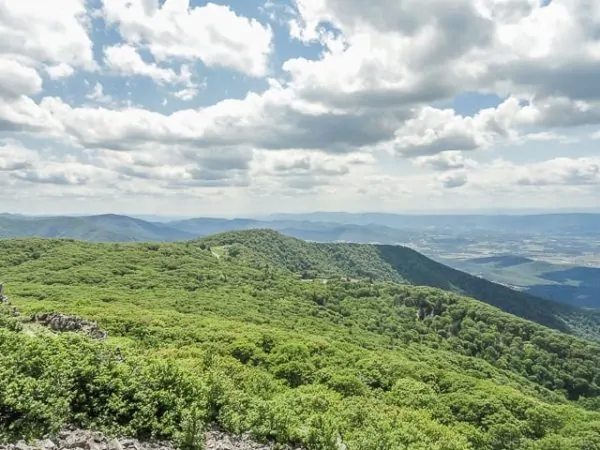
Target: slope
{"type": "Point", "coordinates": [239, 341]}
{"type": "Point", "coordinates": [401, 264]}
{"type": "Point", "coordinates": [102, 228]}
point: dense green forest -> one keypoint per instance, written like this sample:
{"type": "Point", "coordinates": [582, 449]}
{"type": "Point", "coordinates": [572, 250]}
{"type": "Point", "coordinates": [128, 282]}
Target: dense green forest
{"type": "Point", "coordinates": [295, 342]}
{"type": "Point", "coordinates": [402, 265]}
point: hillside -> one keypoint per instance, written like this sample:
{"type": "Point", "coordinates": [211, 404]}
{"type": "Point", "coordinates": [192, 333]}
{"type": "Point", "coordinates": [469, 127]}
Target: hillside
{"type": "Point", "coordinates": [216, 332]}
{"type": "Point", "coordinates": [403, 265]}
{"type": "Point", "coordinates": [574, 285]}
{"type": "Point", "coordinates": [102, 228]}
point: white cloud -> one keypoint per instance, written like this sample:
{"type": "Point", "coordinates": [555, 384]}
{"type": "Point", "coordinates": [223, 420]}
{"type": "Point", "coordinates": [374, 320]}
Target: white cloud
{"type": "Point", "coordinates": [13, 156]}
{"type": "Point", "coordinates": [58, 71]}
{"type": "Point", "coordinates": [453, 180]}
{"type": "Point", "coordinates": [97, 94]}
{"type": "Point", "coordinates": [213, 34]}
{"type": "Point", "coordinates": [17, 80]}
{"type": "Point", "coordinates": [46, 33]}
{"type": "Point", "coordinates": [125, 60]}
{"type": "Point", "coordinates": [189, 93]}
{"type": "Point", "coordinates": [561, 171]}
{"type": "Point", "coordinates": [448, 160]}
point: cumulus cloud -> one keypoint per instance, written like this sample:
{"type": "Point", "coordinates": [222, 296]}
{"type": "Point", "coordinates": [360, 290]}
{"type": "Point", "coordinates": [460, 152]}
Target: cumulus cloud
{"type": "Point", "coordinates": [561, 171]}
{"type": "Point", "coordinates": [40, 34]}
{"type": "Point", "coordinates": [453, 180]}
{"type": "Point", "coordinates": [445, 161]}
{"type": "Point", "coordinates": [213, 34]}
{"type": "Point", "coordinates": [17, 80]}
{"type": "Point", "coordinates": [377, 102]}
{"type": "Point", "coordinates": [125, 60]}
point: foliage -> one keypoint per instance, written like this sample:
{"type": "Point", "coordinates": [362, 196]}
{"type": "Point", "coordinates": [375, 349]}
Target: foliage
{"type": "Point", "coordinates": [290, 341]}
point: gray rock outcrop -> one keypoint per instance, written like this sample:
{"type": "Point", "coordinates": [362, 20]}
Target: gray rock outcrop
{"type": "Point", "coordinates": [61, 323]}
{"type": "Point", "coordinates": [91, 440]}
{"type": "Point", "coordinates": [3, 298]}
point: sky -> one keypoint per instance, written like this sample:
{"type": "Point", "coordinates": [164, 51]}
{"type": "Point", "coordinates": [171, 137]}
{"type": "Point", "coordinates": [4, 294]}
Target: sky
{"type": "Point", "coordinates": [242, 107]}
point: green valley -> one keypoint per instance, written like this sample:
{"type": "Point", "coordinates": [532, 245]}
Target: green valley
{"type": "Point", "coordinates": [300, 343]}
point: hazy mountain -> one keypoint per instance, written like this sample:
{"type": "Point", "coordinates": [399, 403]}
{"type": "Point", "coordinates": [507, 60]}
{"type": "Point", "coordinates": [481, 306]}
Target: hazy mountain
{"type": "Point", "coordinates": [103, 228]}
{"type": "Point", "coordinates": [582, 224]}
{"type": "Point", "coordinates": [314, 231]}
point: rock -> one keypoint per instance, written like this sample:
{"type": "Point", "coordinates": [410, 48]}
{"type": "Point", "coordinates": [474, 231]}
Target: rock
{"type": "Point", "coordinates": [47, 444]}
{"type": "Point", "coordinates": [75, 439]}
{"type": "Point", "coordinates": [114, 444]}
{"type": "Point", "coordinates": [22, 445]}
{"type": "Point", "coordinates": [61, 323]}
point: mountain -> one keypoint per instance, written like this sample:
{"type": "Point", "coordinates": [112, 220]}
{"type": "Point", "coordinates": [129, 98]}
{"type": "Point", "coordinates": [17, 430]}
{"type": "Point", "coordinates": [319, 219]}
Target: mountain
{"type": "Point", "coordinates": [102, 228]}
{"type": "Point", "coordinates": [403, 265]}
{"type": "Point", "coordinates": [310, 345]}
{"type": "Point", "coordinates": [571, 223]}
{"type": "Point", "coordinates": [314, 231]}
{"type": "Point", "coordinates": [574, 285]}
{"type": "Point", "coordinates": [116, 228]}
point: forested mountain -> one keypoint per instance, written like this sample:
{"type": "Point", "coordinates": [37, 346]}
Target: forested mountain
{"type": "Point", "coordinates": [299, 343]}
{"type": "Point", "coordinates": [390, 263]}
{"type": "Point", "coordinates": [403, 265]}
{"type": "Point", "coordinates": [102, 228]}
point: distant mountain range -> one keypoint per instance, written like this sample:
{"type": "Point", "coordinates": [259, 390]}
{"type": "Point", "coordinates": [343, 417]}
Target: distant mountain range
{"type": "Point", "coordinates": [576, 223]}
{"type": "Point", "coordinates": [103, 228]}
{"type": "Point", "coordinates": [371, 227]}
{"type": "Point", "coordinates": [116, 228]}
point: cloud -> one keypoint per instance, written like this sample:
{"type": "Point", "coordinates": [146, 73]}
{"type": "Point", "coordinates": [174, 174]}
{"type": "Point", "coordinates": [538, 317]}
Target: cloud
{"type": "Point", "coordinates": [562, 172]}
{"type": "Point", "coordinates": [97, 94]}
{"type": "Point", "coordinates": [17, 80]}
{"type": "Point", "coordinates": [40, 34]}
{"type": "Point", "coordinates": [213, 34]}
{"type": "Point", "coordinates": [59, 71]}
{"type": "Point", "coordinates": [13, 156]}
{"type": "Point", "coordinates": [125, 60]}
{"type": "Point", "coordinates": [351, 112]}
{"type": "Point", "coordinates": [445, 161]}
{"type": "Point", "coordinates": [453, 180]}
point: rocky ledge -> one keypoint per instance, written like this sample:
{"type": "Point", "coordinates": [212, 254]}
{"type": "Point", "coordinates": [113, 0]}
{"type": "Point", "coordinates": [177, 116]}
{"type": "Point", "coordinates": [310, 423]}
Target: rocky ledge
{"type": "Point", "coordinates": [92, 440]}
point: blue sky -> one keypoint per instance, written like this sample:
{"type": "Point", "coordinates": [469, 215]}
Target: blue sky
{"type": "Point", "coordinates": [242, 108]}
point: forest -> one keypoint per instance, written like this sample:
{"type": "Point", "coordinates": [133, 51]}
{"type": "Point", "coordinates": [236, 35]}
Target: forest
{"type": "Point", "coordinates": [296, 343]}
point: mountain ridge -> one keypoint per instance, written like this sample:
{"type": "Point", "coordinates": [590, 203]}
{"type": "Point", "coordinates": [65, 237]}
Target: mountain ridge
{"type": "Point", "coordinates": [402, 265]}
